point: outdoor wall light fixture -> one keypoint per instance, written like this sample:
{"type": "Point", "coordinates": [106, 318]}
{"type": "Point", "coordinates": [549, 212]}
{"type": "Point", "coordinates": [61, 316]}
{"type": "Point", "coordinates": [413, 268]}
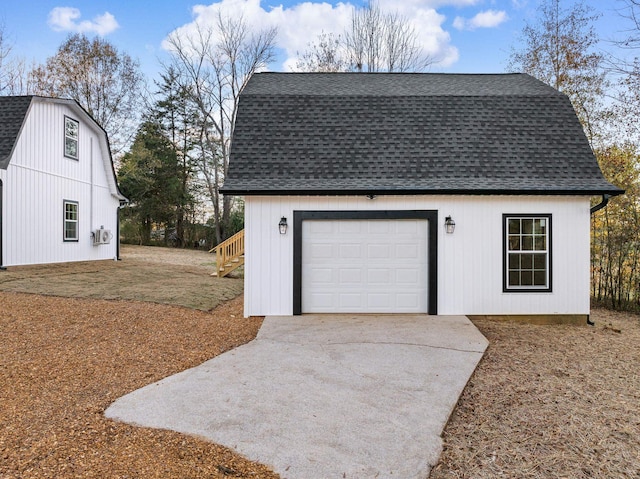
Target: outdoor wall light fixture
{"type": "Point", "coordinates": [282, 226]}
{"type": "Point", "coordinates": [449, 225]}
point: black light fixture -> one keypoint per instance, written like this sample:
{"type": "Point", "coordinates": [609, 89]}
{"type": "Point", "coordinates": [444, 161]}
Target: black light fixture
{"type": "Point", "coordinates": [449, 225]}
{"type": "Point", "coordinates": [282, 226]}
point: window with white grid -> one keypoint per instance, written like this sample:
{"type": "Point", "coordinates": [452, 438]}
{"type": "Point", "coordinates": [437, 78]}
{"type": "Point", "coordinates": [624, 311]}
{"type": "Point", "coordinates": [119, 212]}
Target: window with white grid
{"type": "Point", "coordinates": [527, 253]}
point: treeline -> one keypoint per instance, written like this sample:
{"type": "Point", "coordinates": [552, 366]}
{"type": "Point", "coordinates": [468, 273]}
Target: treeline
{"type": "Point", "coordinates": [561, 47]}
{"type": "Point", "coordinates": [172, 140]}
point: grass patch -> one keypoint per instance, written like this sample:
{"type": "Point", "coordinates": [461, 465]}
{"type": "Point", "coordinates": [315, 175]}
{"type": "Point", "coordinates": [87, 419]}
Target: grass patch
{"type": "Point", "coordinates": [151, 274]}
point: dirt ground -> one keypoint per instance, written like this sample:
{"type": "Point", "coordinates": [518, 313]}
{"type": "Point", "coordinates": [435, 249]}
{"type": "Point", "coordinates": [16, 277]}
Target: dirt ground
{"type": "Point", "coordinates": [146, 273]}
{"type": "Point", "coordinates": [545, 401]}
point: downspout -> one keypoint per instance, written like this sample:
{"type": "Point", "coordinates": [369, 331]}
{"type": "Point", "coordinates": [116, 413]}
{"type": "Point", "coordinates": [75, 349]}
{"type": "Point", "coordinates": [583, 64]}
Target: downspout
{"type": "Point", "coordinates": [118, 232]}
{"type": "Point", "coordinates": [602, 204]}
{"type": "Point", "coordinates": [2, 268]}
{"type": "Point", "coordinates": [91, 185]}
{"type": "Point", "coordinates": [598, 207]}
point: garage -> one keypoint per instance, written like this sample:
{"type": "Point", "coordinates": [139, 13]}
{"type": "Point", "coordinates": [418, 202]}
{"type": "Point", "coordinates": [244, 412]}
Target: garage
{"type": "Point", "coordinates": [365, 262]}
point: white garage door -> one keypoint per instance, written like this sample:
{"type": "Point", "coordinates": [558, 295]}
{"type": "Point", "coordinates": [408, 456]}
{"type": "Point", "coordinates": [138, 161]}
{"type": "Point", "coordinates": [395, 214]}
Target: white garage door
{"type": "Point", "coordinates": [364, 266]}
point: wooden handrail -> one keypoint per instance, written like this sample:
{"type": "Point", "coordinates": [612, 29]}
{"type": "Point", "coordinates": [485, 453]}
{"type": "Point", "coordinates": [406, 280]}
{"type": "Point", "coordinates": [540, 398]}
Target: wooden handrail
{"type": "Point", "coordinates": [229, 254]}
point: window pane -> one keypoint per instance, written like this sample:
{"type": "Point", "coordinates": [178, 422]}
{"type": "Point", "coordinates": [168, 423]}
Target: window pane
{"type": "Point", "coordinates": [71, 128]}
{"type": "Point", "coordinates": [540, 243]}
{"type": "Point", "coordinates": [526, 278]}
{"type": "Point", "coordinates": [71, 230]}
{"type": "Point", "coordinates": [514, 226]}
{"type": "Point", "coordinates": [514, 261]}
{"type": "Point", "coordinates": [540, 226]}
{"type": "Point", "coordinates": [71, 211]}
{"type": "Point", "coordinates": [527, 261]}
{"type": "Point", "coordinates": [527, 243]}
{"type": "Point", "coordinates": [539, 278]}
{"type": "Point", "coordinates": [543, 225]}
{"type": "Point", "coordinates": [514, 278]}
{"type": "Point", "coordinates": [71, 147]}
{"type": "Point", "coordinates": [527, 226]}
{"type": "Point", "coordinates": [540, 261]}
{"type": "Point", "coordinates": [514, 243]}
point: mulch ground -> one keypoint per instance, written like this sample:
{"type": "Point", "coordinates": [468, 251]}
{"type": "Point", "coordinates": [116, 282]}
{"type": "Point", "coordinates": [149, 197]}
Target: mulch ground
{"type": "Point", "coordinates": [63, 361]}
{"type": "Point", "coordinates": [550, 402]}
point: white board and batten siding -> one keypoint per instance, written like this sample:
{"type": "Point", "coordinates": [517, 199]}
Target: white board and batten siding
{"type": "Point", "coordinates": [470, 261]}
{"type": "Point", "coordinates": [39, 178]}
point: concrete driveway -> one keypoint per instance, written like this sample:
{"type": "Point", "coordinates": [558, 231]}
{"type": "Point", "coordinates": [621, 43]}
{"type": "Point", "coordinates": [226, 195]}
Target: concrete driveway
{"type": "Point", "coordinates": [324, 396]}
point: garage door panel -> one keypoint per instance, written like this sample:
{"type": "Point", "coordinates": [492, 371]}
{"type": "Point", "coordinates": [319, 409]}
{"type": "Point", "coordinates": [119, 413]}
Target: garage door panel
{"type": "Point", "coordinates": [379, 251]}
{"type": "Point", "coordinates": [407, 251]}
{"type": "Point", "coordinates": [321, 251]}
{"type": "Point", "coordinates": [350, 301]}
{"type": "Point", "coordinates": [407, 227]}
{"type": "Point", "coordinates": [317, 227]}
{"type": "Point", "coordinates": [349, 227]}
{"type": "Point", "coordinates": [379, 276]}
{"type": "Point", "coordinates": [321, 301]}
{"type": "Point", "coordinates": [379, 227]}
{"type": "Point", "coordinates": [346, 251]}
{"type": "Point", "coordinates": [381, 301]}
{"type": "Point", "coordinates": [374, 266]}
{"type": "Point", "coordinates": [322, 276]}
{"type": "Point", "coordinates": [407, 301]}
{"type": "Point", "coordinates": [350, 276]}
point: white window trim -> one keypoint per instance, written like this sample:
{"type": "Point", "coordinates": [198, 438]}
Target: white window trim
{"type": "Point", "coordinates": [76, 139]}
{"type": "Point", "coordinates": [66, 220]}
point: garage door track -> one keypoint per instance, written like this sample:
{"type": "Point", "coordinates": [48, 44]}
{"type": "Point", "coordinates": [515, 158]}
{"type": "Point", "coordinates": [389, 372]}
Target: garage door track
{"type": "Point", "coordinates": [324, 396]}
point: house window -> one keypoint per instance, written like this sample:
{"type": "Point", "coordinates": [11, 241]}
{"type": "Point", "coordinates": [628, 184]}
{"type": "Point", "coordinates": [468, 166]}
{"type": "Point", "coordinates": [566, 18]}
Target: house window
{"type": "Point", "coordinates": [70, 138]}
{"type": "Point", "coordinates": [70, 220]}
{"type": "Point", "coordinates": [527, 253]}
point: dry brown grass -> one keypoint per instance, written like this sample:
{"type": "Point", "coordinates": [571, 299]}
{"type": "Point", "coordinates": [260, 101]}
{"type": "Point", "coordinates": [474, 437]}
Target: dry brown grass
{"type": "Point", "coordinates": [146, 273]}
{"type": "Point", "coordinates": [550, 402]}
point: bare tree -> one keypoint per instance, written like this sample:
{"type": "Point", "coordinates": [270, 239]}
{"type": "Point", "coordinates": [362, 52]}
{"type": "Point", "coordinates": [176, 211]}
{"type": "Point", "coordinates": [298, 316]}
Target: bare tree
{"type": "Point", "coordinates": [324, 55]}
{"type": "Point", "coordinates": [107, 83]}
{"type": "Point", "coordinates": [12, 70]}
{"type": "Point", "coordinates": [375, 41]}
{"type": "Point", "coordinates": [215, 64]}
{"type": "Point", "coordinates": [559, 48]}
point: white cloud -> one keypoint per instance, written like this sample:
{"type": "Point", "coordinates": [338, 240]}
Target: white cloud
{"type": "Point", "coordinates": [300, 24]}
{"type": "Point", "coordinates": [65, 19]}
{"type": "Point", "coordinates": [486, 19]}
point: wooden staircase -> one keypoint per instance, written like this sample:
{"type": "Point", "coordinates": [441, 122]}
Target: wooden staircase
{"type": "Point", "coordinates": [229, 254]}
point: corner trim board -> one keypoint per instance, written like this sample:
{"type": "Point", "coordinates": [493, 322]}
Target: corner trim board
{"type": "Point", "coordinates": [432, 220]}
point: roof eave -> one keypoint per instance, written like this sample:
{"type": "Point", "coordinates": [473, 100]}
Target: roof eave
{"type": "Point", "coordinates": [373, 191]}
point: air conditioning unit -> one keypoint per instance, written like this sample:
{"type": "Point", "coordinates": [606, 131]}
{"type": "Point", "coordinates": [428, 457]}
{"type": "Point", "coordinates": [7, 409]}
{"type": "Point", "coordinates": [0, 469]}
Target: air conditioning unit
{"type": "Point", "coordinates": [102, 236]}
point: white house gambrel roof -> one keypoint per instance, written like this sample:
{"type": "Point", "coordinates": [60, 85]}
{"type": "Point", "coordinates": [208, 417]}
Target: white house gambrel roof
{"type": "Point", "coordinates": [14, 111]}
{"type": "Point", "coordinates": [408, 134]}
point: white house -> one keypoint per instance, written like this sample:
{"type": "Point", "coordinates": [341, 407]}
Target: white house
{"type": "Point", "coordinates": [59, 197]}
{"type": "Point", "coordinates": [413, 193]}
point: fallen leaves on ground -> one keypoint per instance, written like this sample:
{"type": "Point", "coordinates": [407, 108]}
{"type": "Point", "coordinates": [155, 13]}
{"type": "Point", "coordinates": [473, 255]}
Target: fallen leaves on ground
{"type": "Point", "coordinates": [550, 401]}
{"type": "Point", "coordinates": [63, 361]}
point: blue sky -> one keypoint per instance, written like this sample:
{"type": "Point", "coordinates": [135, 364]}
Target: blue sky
{"type": "Point", "coordinates": [471, 36]}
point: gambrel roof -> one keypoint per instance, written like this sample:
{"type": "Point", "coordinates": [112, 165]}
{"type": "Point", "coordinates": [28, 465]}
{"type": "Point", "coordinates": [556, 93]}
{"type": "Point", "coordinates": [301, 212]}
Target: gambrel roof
{"type": "Point", "coordinates": [13, 112]}
{"type": "Point", "coordinates": [13, 115]}
{"type": "Point", "coordinates": [399, 133]}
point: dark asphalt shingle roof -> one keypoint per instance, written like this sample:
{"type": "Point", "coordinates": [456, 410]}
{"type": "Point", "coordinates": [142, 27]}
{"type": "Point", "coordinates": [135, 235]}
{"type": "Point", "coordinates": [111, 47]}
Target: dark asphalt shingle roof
{"type": "Point", "coordinates": [346, 133]}
{"type": "Point", "coordinates": [13, 111]}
